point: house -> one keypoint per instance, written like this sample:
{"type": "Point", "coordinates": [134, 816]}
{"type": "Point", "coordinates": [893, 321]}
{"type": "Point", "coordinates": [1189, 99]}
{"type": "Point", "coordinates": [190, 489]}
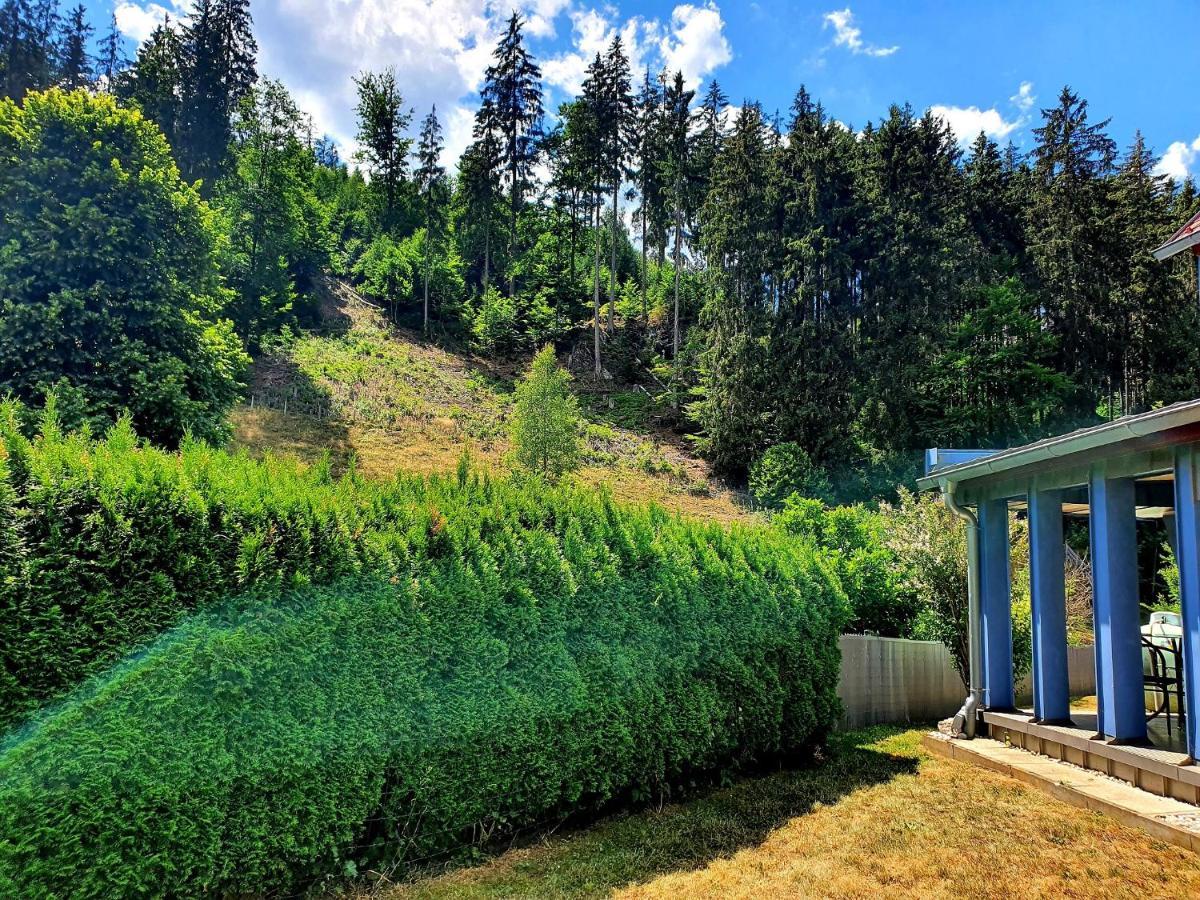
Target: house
{"type": "Point", "coordinates": [1139, 467]}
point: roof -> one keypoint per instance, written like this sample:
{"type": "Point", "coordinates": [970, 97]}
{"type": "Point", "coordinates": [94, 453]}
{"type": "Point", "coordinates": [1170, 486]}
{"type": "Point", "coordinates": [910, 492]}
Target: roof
{"type": "Point", "coordinates": [1186, 237]}
{"type": "Point", "coordinates": [1109, 435]}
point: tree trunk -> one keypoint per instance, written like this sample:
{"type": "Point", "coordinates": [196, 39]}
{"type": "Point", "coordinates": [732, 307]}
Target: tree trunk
{"type": "Point", "coordinates": [425, 321]}
{"type": "Point", "coordinates": [596, 286]}
{"type": "Point", "coordinates": [612, 272]}
{"type": "Point", "coordinates": [675, 331]}
{"type": "Point", "coordinates": [645, 307]}
{"type": "Point", "coordinates": [512, 234]}
{"type": "Point", "coordinates": [487, 250]}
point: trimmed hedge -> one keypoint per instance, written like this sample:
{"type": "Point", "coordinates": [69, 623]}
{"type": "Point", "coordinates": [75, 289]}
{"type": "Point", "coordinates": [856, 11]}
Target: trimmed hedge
{"type": "Point", "coordinates": [535, 651]}
{"type": "Point", "coordinates": [106, 544]}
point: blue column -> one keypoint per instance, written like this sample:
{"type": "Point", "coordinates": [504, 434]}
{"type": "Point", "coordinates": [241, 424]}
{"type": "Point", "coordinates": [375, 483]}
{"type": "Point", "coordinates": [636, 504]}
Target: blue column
{"type": "Point", "coordinates": [1119, 688]}
{"type": "Point", "coordinates": [1048, 598]}
{"type": "Point", "coordinates": [1187, 556]}
{"type": "Point", "coordinates": [995, 601]}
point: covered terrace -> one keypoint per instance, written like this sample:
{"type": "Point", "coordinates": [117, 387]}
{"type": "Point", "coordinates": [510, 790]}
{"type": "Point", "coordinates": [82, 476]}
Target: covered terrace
{"type": "Point", "coordinates": [1144, 466]}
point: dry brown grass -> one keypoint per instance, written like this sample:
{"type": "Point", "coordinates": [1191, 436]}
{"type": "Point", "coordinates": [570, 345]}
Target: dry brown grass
{"type": "Point", "coordinates": [367, 390]}
{"type": "Point", "coordinates": [944, 829]}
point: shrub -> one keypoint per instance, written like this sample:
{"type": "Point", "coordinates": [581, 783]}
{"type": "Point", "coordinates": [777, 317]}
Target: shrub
{"type": "Point", "coordinates": [109, 291]}
{"type": "Point", "coordinates": [536, 651]}
{"type": "Point", "coordinates": [783, 470]}
{"type": "Point", "coordinates": [545, 422]}
{"type": "Point", "coordinates": [494, 324]}
{"type": "Point", "coordinates": [855, 539]}
{"type": "Point", "coordinates": [931, 545]}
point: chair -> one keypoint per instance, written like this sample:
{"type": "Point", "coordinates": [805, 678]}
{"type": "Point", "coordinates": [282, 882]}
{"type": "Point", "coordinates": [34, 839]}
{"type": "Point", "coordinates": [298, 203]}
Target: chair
{"type": "Point", "coordinates": [1163, 679]}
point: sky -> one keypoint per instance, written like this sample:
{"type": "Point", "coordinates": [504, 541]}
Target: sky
{"type": "Point", "coordinates": [988, 66]}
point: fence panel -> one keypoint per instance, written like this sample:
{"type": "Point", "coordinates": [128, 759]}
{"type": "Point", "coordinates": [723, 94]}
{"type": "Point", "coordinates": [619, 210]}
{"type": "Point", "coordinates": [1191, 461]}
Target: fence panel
{"type": "Point", "coordinates": [897, 680]}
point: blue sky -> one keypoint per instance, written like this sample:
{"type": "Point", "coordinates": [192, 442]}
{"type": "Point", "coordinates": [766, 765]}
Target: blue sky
{"type": "Point", "coordinates": [980, 65]}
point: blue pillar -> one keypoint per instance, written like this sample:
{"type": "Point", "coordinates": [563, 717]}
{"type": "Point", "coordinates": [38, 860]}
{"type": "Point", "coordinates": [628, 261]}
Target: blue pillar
{"type": "Point", "coordinates": [1187, 556]}
{"type": "Point", "coordinates": [1119, 688]}
{"type": "Point", "coordinates": [1048, 598]}
{"type": "Point", "coordinates": [995, 602]}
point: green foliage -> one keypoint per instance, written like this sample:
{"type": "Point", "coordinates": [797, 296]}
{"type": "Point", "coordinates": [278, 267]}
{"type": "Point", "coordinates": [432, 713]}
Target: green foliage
{"type": "Point", "coordinates": [931, 545]}
{"type": "Point", "coordinates": [545, 423]}
{"type": "Point", "coordinates": [387, 271]}
{"type": "Point", "coordinates": [494, 324]}
{"type": "Point", "coordinates": [109, 291]}
{"type": "Point", "coordinates": [528, 651]}
{"type": "Point", "coordinates": [855, 540]}
{"type": "Point", "coordinates": [786, 469]}
{"type": "Point", "coordinates": [279, 230]}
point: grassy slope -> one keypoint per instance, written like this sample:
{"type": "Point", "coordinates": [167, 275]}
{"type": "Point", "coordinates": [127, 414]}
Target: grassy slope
{"type": "Point", "coordinates": [365, 389]}
{"type": "Point", "coordinates": [880, 818]}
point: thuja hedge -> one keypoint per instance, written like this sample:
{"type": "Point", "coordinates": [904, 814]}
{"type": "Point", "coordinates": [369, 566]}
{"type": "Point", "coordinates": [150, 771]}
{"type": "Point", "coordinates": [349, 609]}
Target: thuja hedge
{"type": "Point", "coordinates": [534, 652]}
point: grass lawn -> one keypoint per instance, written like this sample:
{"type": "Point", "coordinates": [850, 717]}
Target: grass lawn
{"type": "Point", "coordinates": [879, 818]}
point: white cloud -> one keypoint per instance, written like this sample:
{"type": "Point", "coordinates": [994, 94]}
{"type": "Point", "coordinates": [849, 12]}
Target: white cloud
{"type": "Point", "coordinates": [847, 34]}
{"type": "Point", "coordinates": [967, 121]}
{"type": "Point", "coordinates": [137, 22]}
{"type": "Point", "coordinates": [1179, 159]}
{"type": "Point", "coordinates": [696, 44]}
{"type": "Point", "coordinates": [440, 49]}
{"type": "Point", "coordinates": [1024, 98]}
{"type": "Point", "coordinates": [693, 42]}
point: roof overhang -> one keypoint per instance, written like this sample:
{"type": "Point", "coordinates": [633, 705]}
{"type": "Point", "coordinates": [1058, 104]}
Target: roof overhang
{"type": "Point", "coordinates": [1186, 238]}
{"type": "Point", "coordinates": [1176, 424]}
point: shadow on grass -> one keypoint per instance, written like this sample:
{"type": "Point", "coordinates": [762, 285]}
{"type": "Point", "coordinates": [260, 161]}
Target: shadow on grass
{"type": "Point", "coordinates": [637, 846]}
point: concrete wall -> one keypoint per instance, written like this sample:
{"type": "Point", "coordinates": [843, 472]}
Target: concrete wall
{"type": "Point", "coordinates": [896, 680]}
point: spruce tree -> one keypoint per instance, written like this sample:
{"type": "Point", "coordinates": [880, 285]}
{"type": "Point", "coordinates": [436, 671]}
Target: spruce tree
{"type": "Point", "coordinates": [75, 66]}
{"type": "Point", "coordinates": [617, 122]}
{"type": "Point", "coordinates": [219, 70]}
{"type": "Point", "coordinates": [512, 92]}
{"type": "Point", "coordinates": [677, 169]}
{"type": "Point", "coordinates": [431, 186]}
{"type": "Point", "coordinates": [110, 58]}
{"type": "Point", "coordinates": [155, 81]}
{"type": "Point", "coordinates": [384, 149]}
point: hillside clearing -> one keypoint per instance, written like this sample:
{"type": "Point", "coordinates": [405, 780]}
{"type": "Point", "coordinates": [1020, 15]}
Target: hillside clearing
{"type": "Point", "coordinates": [880, 818]}
{"type": "Point", "coordinates": [362, 388]}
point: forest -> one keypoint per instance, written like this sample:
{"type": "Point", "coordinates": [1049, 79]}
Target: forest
{"type": "Point", "coordinates": [772, 277]}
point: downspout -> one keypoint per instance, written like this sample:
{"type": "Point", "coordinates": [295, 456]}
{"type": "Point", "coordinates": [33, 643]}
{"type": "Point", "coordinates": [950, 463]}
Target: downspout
{"type": "Point", "coordinates": [965, 719]}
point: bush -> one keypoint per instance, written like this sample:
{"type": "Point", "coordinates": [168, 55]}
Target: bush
{"type": "Point", "coordinates": [109, 291]}
{"type": "Point", "coordinates": [545, 422]}
{"type": "Point", "coordinates": [494, 324]}
{"type": "Point", "coordinates": [783, 470]}
{"type": "Point", "coordinates": [855, 539]}
{"type": "Point", "coordinates": [535, 651]}
{"type": "Point", "coordinates": [930, 543]}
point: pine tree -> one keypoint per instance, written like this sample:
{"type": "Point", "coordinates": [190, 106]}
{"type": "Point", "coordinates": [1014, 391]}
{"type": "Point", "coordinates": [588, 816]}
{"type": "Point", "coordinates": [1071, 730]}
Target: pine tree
{"type": "Point", "coordinates": [431, 185]}
{"type": "Point", "coordinates": [678, 168]}
{"type": "Point", "coordinates": [219, 70]}
{"type": "Point", "coordinates": [648, 152]}
{"type": "Point", "coordinates": [1070, 241]}
{"type": "Point", "coordinates": [617, 122]}
{"type": "Point", "coordinates": [75, 67]}
{"type": "Point", "coordinates": [110, 60]}
{"type": "Point", "coordinates": [512, 92]}
{"type": "Point", "coordinates": [382, 123]}
{"type": "Point", "coordinates": [154, 82]}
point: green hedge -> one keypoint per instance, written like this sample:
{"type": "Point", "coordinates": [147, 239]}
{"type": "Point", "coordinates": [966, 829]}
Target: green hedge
{"type": "Point", "coordinates": [534, 652]}
{"type": "Point", "coordinates": [106, 544]}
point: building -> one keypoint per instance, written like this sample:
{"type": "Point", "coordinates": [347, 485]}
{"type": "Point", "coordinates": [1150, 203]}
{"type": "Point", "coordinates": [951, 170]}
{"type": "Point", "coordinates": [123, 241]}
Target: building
{"type": "Point", "coordinates": [1144, 466]}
